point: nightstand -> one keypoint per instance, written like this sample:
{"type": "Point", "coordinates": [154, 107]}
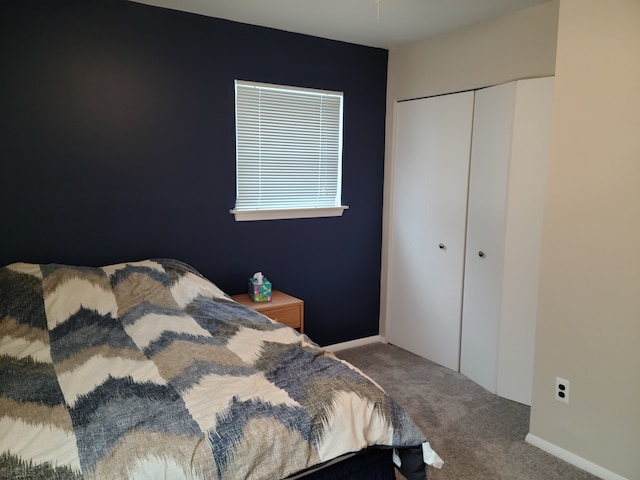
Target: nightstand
{"type": "Point", "coordinates": [282, 308]}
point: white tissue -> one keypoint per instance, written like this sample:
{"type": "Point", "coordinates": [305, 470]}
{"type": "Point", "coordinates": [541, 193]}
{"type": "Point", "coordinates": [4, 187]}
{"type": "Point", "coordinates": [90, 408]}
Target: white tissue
{"type": "Point", "coordinates": [258, 277]}
{"type": "Point", "coordinates": [396, 458]}
{"type": "Point", "coordinates": [430, 457]}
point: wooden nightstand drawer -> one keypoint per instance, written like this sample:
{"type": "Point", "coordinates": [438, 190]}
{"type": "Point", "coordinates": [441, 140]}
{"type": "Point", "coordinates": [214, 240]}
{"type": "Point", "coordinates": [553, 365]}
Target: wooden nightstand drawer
{"type": "Point", "coordinates": [290, 316]}
{"type": "Point", "coordinates": [282, 308]}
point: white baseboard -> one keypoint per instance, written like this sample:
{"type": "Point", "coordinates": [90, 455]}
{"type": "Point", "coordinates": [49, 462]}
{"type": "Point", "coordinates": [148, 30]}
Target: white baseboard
{"type": "Point", "coordinates": [356, 343]}
{"type": "Point", "coordinates": [572, 458]}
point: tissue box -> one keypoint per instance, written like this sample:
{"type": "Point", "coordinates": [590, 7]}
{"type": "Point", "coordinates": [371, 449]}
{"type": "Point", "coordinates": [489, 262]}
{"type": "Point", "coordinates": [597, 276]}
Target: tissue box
{"type": "Point", "coordinates": [260, 292]}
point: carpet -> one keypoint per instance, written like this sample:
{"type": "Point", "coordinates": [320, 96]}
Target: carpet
{"type": "Point", "coordinates": [479, 435]}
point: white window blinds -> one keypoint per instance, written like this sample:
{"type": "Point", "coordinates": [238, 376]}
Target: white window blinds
{"type": "Point", "coordinates": [288, 152]}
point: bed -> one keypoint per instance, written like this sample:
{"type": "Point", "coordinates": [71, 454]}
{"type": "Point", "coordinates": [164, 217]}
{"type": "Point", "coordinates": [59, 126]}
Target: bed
{"type": "Point", "coordinates": [147, 370]}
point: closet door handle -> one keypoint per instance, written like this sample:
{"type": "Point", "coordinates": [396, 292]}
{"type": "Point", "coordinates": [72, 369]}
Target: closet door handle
{"type": "Point", "coordinates": [481, 254]}
{"type": "Point", "coordinates": [441, 246]}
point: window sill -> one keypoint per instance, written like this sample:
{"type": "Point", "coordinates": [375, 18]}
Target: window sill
{"type": "Point", "coordinates": [249, 215]}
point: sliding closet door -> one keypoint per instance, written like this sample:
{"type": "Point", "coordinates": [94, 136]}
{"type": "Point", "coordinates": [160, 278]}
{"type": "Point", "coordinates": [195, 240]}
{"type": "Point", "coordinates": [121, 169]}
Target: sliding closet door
{"type": "Point", "coordinates": [506, 205]}
{"type": "Point", "coordinates": [428, 219]}
{"type": "Point", "coordinates": [528, 169]}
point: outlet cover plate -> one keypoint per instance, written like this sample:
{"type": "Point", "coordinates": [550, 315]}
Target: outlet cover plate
{"type": "Point", "coordinates": [562, 390]}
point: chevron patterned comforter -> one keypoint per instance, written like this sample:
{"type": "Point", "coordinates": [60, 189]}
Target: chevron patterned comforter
{"type": "Point", "coordinates": [148, 370]}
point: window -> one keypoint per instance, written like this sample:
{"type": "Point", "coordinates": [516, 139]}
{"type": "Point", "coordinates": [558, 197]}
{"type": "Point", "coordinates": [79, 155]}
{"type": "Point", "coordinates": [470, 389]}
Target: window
{"type": "Point", "coordinates": [288, 152]}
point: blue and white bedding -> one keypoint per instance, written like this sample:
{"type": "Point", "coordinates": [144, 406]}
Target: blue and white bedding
{"type": "Point", "coordinates": [148, 370]}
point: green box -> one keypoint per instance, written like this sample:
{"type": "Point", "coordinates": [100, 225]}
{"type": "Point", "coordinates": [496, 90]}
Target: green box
{"type": "Point", "coordinates": [260, 292]}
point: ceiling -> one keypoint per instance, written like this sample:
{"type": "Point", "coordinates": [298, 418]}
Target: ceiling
{"type": "Point", "coordinates": [376, 23]}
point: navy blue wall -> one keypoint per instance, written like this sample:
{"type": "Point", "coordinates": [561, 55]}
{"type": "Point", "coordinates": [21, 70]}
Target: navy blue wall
{"type": "Point", "coordinates": [117, 144]}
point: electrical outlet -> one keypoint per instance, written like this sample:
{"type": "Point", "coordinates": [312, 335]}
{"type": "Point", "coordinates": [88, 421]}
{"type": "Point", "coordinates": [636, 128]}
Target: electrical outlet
{"type": "Point", "coordinates": [562, 390]}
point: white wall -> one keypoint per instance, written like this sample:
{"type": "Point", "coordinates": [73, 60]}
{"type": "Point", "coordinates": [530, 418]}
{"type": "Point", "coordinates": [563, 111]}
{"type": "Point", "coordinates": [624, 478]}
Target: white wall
{"type": "Point", "coordinates": [588, 328]}
{"type": "Point", "coordinates": [515, 46]}
{"type": "Point", "coordinates": [519, 45]}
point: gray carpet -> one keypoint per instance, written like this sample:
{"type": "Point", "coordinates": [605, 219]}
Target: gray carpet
{"type": "Point", "coordinates": [479, 435]}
